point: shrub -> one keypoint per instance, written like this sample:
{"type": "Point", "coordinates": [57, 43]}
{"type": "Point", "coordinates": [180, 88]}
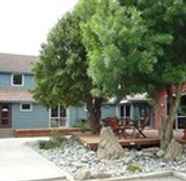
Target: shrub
{"type": "Point", "coordinates": [46, 145]}
{"type": "Point", "coordinates": [134, 167]}
{"type": "Point", "coordinates": [56, 140]}
{"type": "Point", "coordinates": [57, 136]}
{"type": "Point", "coordinates": [83, 125]}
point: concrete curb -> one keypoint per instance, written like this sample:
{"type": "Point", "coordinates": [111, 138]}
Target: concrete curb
{"type": "Point", "coordinates": [178, 175]}
{"type": "Point", "coordinates": [49, 179]}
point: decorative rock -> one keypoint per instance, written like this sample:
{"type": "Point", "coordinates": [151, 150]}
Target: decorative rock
{"type": "Point", "coordinates": [174, 151]}
{"type": "Point", "coordinates": [83, 174]}
{"type": "Point", "coordinates": [74, 157]}
{"type": "Point", "coordinates": [101, 176]}
{"type": "Point", "coordinates": [109, 147]}
{"type": "Point", "coordinates": [160, 153]}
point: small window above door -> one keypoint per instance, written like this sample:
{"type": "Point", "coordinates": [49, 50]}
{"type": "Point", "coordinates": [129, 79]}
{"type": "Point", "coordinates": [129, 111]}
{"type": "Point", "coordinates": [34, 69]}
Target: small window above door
{"type": "Point", "coordinates": [17, 79]}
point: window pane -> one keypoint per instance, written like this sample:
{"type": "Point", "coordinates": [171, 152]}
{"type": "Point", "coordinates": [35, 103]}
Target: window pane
{"type": "Point", "coordinates": [62, 111]}
{"type": "Point", "coordinates": [54, 111]}
{"type": "Point", "coordinates": [26, 106]}
{"type": "Point", "coordinates": [17, 79]}
{"type": "Point", "coordinates": [122, 111]}
{"type": "Point", "coordinates": [127, 110]}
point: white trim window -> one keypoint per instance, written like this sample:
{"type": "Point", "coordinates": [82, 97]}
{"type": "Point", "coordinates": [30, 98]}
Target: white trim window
{"type": "Point", "coordinates": [17, 80]}
{"type": "Point", "coordinates": [125, 111]}
{"type": "Point", "coordinates": [57, 116]}
{"type": "Point", "coordinates": [26, 107]}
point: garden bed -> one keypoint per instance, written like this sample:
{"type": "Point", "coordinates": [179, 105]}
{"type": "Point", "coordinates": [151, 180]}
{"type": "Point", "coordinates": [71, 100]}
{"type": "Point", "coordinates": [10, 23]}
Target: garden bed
{"type": "Point", "coordinates": [74, 158]}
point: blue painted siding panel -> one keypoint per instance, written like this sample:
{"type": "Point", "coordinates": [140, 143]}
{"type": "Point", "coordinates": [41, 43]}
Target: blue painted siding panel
{"type": "Point", "coordinates": [75, 114]}
{"type": "Point", "coordinates": [38, 118]}
{"type": "Point", "coordinates": [108, 111]}
{"type": "Point", "coordinates": [29, 82]}
{"type": "Point", "coordinates": [5, 81]}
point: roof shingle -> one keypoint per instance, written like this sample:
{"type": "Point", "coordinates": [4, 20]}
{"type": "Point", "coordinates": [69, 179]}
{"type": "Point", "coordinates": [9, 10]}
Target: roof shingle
{"type": "Point", "coordinates": [16, 63]}
{"type": "Point", "coordinates": [15, 95]}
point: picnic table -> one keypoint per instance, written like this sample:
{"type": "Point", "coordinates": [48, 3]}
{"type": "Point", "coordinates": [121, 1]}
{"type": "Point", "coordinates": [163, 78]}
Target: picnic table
{"type": "Point", "coordinates": [121, 127]}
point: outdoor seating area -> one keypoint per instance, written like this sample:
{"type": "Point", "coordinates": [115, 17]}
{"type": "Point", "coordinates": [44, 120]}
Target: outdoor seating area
{"type": "Point", "coordinates": [127, 128]}
{"type": "Point", "coordinates": [151, 139]}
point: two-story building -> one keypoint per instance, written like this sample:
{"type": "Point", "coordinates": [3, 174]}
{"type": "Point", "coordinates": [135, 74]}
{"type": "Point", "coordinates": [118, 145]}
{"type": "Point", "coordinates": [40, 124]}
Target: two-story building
{"type": "Point", "coordinates": [19, 110]}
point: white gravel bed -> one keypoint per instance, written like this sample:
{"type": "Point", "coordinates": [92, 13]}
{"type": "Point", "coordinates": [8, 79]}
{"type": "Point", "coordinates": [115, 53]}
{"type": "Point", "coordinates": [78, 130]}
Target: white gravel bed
{"type": "Point", "coordinates": [73, 156]}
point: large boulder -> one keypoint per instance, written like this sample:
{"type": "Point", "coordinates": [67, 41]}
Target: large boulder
{"type": "Point", "coordinates": [174, 151]}
{"type": "Point", "coordinates": [109, 148]}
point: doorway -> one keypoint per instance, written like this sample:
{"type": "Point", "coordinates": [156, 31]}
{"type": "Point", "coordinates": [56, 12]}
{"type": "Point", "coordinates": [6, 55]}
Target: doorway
{"type": "Point", "coordinates": [5, 116]}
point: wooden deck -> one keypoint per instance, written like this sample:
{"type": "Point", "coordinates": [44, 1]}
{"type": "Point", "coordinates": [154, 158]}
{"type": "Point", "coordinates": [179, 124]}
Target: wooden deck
{"type": "Point", "coordinates": [152, 139]}
{"type": "Point", "coordinates": [44, 132]}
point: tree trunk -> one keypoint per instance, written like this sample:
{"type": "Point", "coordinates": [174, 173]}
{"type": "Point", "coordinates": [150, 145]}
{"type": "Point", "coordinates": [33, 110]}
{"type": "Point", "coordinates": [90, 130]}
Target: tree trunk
{"type": "Point", "coordinates": [167, 122]}
{"type": "Point", "coordinates": [94, 113]}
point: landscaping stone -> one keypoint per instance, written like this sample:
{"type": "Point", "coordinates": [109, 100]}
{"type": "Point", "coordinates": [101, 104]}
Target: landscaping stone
{"type": "Point", "coordinates": [174, 151]}
{"type": "Point", "coordinates": [160, 153]}
{"type": "Point", "coordinates": [83, 174]}
{"type": "Point", "coordinates": [74, 157]}
{"type": "Point", "coordinates": [109, 147]}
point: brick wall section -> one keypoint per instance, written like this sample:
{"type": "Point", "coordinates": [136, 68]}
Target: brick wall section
{"type": "Point", "coordinates": [162, 101]}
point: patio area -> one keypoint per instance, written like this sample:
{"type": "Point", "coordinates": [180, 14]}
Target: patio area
{"type": "Point", "coordinates": [152, 139]}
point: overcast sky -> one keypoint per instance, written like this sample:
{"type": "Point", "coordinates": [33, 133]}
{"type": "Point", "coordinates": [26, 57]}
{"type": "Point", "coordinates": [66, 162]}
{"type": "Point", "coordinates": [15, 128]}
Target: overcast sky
{"type": "Point", "coordinates": [24, 24]}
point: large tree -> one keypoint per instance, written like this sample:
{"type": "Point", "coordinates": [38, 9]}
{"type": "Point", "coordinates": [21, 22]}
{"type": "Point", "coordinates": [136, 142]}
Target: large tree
{"type": "Point", "coordinates": [169, 74]}
{"type": "Point", "coordinates": [61, 71]}
{"type": "Point", "coordinates": [139, 46]}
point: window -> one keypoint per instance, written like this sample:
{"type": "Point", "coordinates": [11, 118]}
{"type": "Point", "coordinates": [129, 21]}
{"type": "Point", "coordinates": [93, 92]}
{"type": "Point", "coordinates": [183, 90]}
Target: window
{"type": "Point", "coordinates": [125, 111]}
{"type": "Point", "coordinates": [57, 116]}
{"type": "Point", "coordinates": [58, 112]}
{"type": "Point", "coordinates": [26, 107]}
{"type": "Point", "coordinates": [54, 112]}
{"type": "Point", "coordinates": [62, 111]}
{"type": "Point", "coordinates": [17, 80]}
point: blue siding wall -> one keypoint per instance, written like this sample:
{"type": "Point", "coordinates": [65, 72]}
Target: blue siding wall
{"type": "Point", "coordinates": [75, 114]}
{"type": "Point", "coordinates": [5, 81]}
{"type": "Point", "coordinates": [108, 111]}
{"type": "Point", "coordinates": [38, 118]}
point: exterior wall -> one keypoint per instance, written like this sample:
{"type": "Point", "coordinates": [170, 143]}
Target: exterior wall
{"type": "Point", "coordinates": [75, 114]}
{"type": "Point", "coordinates": [37, 118]}
{"type": "Point", "coordinates": [161, 110]}
{"type": "Point", "coordinates": [5, 81]}
{"type": "Point", "coordinates": [108, 111]}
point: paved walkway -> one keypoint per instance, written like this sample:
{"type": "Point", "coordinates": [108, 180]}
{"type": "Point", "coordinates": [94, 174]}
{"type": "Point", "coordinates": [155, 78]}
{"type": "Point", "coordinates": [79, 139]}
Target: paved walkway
{"type": "Point", "coordinates": [19, 162]}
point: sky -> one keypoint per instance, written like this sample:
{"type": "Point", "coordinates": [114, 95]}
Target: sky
{"type": "Point", "coordinates": [24, 24]}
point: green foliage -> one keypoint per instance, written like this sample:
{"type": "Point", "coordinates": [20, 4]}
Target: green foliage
{"type": "Point", "coordinates": [56, 140]}
{"type": "Point", "coordinates": [136, 46]}
{"type": "Point", "coordinates": [57, 136]}
{"type": "Point", "coordinates": [120, 48]}
{"type": "Point", "coordinates": [83, 125]}
{"type": "Point", "coordinates": [134, 167]}
{"type": "Point", "coordinates": [61, 72]}
{"type": "Point", "coordinates": [166, 20]}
